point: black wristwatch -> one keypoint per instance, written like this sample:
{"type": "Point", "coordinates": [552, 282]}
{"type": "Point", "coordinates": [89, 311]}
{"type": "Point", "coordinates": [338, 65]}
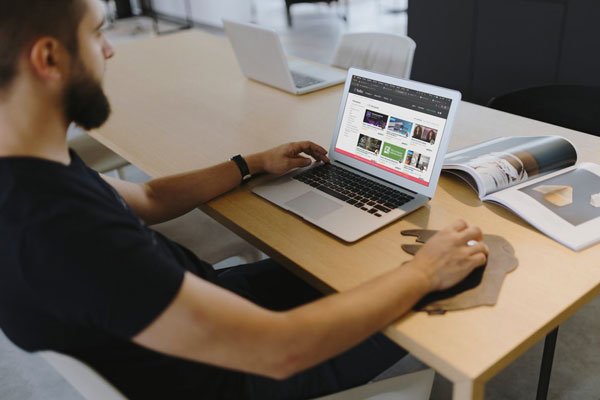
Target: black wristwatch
{"type": "Point", "coordinates": [243, 167]}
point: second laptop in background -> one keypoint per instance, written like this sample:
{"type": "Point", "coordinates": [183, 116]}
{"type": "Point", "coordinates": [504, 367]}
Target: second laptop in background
{"type": "Point", "coordinates": [261, 57]}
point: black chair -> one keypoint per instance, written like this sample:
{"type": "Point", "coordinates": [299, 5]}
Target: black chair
{"type": "Point", "coordinates": [570, 106]}
{"type": "Point", "coordinates": [148, 9]}
{"type": "Point", "coordinates": [289, 3]}
{"type": "Point", "coordinates": [123, 8]}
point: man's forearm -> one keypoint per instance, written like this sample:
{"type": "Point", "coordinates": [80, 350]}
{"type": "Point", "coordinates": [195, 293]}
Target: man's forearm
{"type": "Point", "coordinates": [210, 325]}
{"type": "Point", "coordinates": [165, 198]}
{"type": "Point", "coordinates": [334, 324]}
{"type": "Point", "coordinates": [172, 196]}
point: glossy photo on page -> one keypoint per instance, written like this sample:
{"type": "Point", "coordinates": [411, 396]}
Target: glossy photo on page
{"type": "Point", "coordinates": [505, 162]}
{"type": "Point", "coordinates": [573, 196]}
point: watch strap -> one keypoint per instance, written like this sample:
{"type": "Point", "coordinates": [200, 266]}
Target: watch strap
{"type": "Point", "coordinates": [242, 166]}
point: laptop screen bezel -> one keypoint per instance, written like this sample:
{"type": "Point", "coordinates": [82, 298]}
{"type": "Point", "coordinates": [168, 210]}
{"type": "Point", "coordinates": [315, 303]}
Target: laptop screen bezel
{"type": "Point", "coordinates": [390, 177]}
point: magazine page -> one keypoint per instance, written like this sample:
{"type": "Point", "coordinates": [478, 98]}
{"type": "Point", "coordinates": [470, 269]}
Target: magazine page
{"type": "Point", "coordinates": [564, 205]}
{"type": "Point", "coordinates": [508, 161]}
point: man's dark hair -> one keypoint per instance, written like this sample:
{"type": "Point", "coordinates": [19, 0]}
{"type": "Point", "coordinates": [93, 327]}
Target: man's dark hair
{"type": "Point", "coordinates": [22, 22]}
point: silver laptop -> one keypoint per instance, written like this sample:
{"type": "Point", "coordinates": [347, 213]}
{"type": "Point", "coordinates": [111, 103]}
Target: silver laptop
{"type": "Point", "coordinates": [261, 57]}
{"type": "Point", "coordinates": [386, 156]}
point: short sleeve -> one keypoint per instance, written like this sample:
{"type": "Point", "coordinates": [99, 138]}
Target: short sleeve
{"type": "Point", "coordinates": [99, 269]}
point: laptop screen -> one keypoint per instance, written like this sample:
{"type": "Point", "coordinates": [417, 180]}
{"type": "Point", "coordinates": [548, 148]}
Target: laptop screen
{"type": "Point", "coordinates": [393, 128]}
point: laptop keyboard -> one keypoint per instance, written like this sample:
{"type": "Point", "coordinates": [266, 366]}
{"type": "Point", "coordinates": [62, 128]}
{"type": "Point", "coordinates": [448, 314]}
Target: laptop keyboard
{"type": "Point", "coordinates": [364, 194]}
{"type": "Point", "coordinates": [302, 81]}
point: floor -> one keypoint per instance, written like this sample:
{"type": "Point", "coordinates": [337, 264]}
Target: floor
{"type": "Point", "coordinates": [577, 360]}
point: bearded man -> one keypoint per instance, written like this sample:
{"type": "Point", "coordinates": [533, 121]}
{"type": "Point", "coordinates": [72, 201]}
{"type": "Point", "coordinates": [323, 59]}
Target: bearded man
{"type": "Point", "coordinates": [82, 273]}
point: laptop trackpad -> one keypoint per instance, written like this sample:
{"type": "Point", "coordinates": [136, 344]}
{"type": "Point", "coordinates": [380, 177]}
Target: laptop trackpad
{"type": "Point", "coordinates": [313, 205]}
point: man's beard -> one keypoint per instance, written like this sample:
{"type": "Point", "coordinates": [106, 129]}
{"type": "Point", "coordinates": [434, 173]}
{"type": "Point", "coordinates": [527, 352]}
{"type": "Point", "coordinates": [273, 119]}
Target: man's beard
{"type": "Point", "coordinates": [85, 102]}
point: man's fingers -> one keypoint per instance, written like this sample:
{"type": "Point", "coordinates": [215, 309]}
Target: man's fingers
{"type": "Point", "coordinates": [477, 247]}
{"type": "Point", "coordinates": [316, 148]}
{"type": "Point", "coordinates": [307, 146]}
{"type": "Point", "coordinates": [470, 233]}
{"type": "Point", "coordinates": [299, 161]}
{"type": "Point", "coordinates": [320, 151]}
{"type": "Point", "coordinates": [459, 225]}
{"type": "Point", "coordinates": [312, 149]}
{"type": "Point", "coordinates": [477, 260]}
{"type": "Point", "coordinates": [321, 157]}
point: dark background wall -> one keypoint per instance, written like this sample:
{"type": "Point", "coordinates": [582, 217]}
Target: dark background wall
{"type": "Point", "coordinates": [486, 48]}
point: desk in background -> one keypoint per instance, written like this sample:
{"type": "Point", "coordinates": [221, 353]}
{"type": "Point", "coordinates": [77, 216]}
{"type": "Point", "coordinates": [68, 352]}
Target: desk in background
{"type": "Point", "coordinates": [172, 116]}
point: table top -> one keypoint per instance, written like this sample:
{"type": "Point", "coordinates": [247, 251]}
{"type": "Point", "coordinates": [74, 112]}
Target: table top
{"type": "Point", "coordinates": [180, 102]}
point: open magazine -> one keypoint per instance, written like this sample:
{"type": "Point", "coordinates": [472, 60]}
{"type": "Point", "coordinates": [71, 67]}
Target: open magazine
{"type": "Point", "coordinates": [536, 178]}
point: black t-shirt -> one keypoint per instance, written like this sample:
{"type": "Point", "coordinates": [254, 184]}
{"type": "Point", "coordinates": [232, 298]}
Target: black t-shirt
{"type": "Point", "coordinates": [81, 274]}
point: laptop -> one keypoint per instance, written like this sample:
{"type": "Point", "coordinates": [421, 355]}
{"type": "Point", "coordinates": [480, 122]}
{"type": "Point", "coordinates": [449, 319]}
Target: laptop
{"type": "Point", "coordinates": [386, 155]}
{"type": "Point", "coordinates": [261, 57]}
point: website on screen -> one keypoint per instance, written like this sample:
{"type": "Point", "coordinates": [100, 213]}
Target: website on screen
{"type": "Point", "coordinates": [393, 128]}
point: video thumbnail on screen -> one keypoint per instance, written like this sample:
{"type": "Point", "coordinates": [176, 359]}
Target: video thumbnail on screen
{"type": "Point", "coordinates": [375, 119]}
{"type": "Point", "coordinates": [417, 160]}
{"type": "Point", "coordinates": [425, 134]}
{"type": "Point", "coordinates": [370, 144]}
{"type": "Point", "coordinates": [399, 126]}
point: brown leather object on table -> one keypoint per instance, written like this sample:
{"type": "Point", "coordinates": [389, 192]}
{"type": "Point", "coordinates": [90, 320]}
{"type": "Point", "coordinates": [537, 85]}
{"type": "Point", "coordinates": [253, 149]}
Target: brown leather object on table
{"type": "Point", "coordinates": [481, 287]}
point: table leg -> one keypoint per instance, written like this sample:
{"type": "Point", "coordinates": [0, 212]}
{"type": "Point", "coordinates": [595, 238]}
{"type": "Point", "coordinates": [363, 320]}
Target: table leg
{"type": "Point", "coordinates": [546, 367]}
{"type": "Point", "coordinates": [468, 390]}
{"type": "Point", "coordinates": [253, 12]}
{"type": "Point", "coordinates": [148, 9]}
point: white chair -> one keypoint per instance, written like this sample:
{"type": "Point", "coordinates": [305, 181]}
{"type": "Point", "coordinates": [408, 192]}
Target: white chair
{"type": "Point", "coordinates": [385, 53]}
{"type": "Point", "coordinates": [414, 386]}
{"type": "Point", "coordinates": [84, 379]}
{"type": "Point", "coordinates": [92, 386]}
{"type": "Point", "coordinates": [93, 153]}
{"type": "Point", "coordinates": [208, 239]}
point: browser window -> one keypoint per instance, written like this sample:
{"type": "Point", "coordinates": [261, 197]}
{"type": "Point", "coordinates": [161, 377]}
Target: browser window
{"type": "Point", "coordinates": [393, 128]}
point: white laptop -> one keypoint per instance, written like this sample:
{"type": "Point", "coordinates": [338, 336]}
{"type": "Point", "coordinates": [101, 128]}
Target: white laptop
{"type": "Point", "coordinates": [386, 155]}
{"type": "Point", "coordinates": [261, 57]}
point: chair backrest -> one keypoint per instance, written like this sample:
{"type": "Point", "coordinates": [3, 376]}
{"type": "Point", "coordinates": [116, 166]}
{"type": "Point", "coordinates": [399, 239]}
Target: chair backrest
{"type": "Point", "coordinates": [414, 386]}
{"type": "Point", "coordinates": [92, 386]}
{"type": "Point", "coordinates": [95, 154]}
{"type": "Point", "coordinates": [384, 53]}
{"type": "Point", "coordinates": [88, 382]}
{"type": "Point", "coordinates": [570, 106]}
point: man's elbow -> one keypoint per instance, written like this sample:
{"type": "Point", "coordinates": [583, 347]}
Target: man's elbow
{"type": "Point", "coordinates": [287, 355]}
{"type": "Point", "coordinates": [152, 208]}
{"type": "Point", "coordinates": [286, 365]}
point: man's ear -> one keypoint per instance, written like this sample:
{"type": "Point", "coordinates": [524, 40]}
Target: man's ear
{"type": "Point", "coordinates": [48, 59]}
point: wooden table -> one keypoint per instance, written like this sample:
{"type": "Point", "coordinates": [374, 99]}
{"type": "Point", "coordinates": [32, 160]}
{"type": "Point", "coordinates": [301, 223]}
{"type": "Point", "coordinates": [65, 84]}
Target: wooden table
{"type": "Point", "coordinates": [181, 102]}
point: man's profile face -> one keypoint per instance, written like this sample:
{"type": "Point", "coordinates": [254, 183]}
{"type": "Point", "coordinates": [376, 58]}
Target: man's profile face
{"type": "Point", "coordinates": [84, 100]}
